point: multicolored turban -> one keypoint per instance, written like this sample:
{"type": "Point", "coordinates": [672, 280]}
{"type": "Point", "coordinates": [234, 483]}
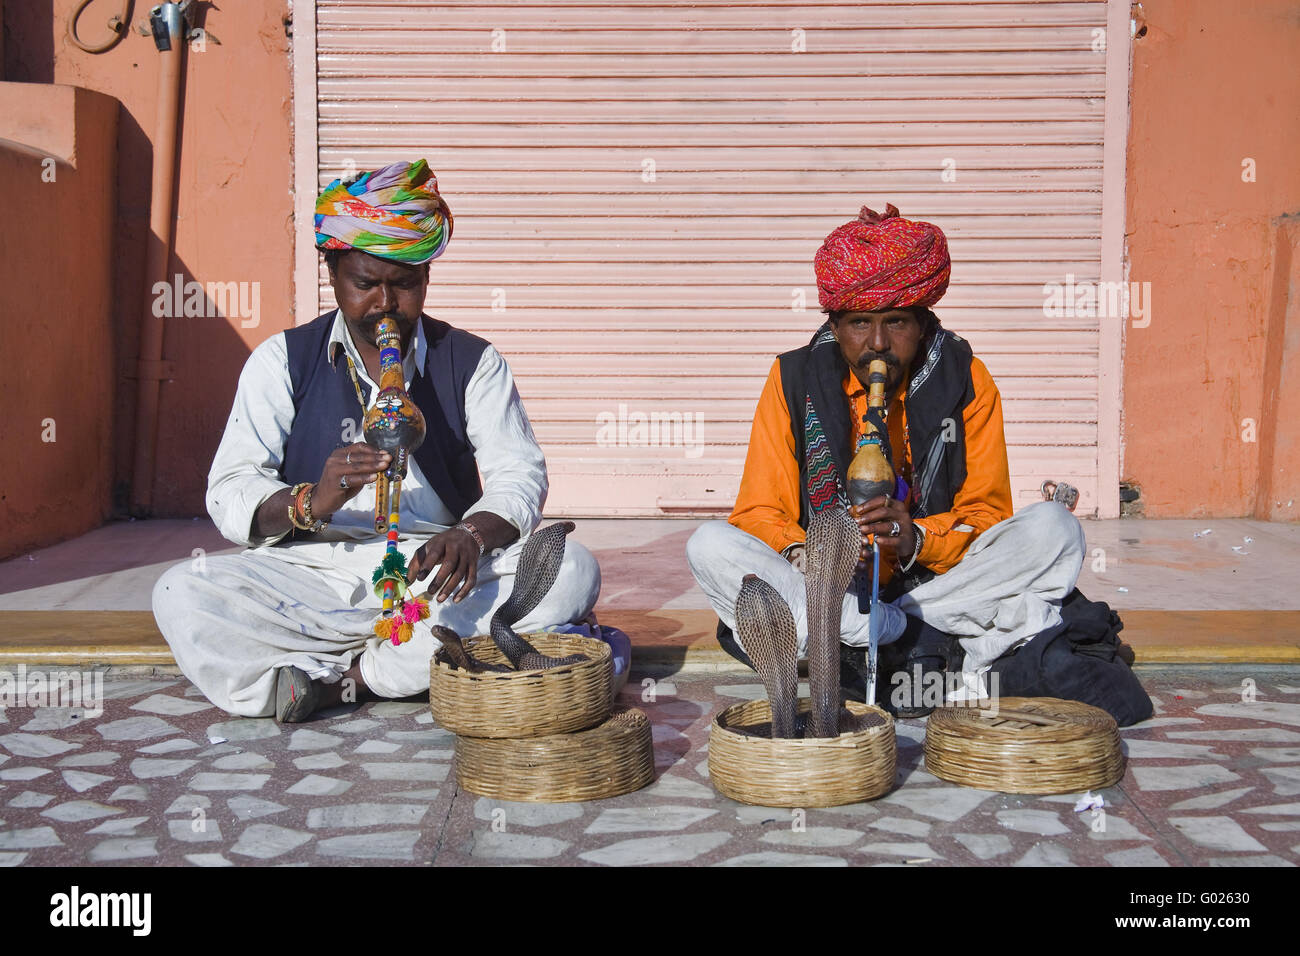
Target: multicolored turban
{"type": "Point", "coordinates": [393, 213]}
{"type": "Point", "coordinates": [880, 262]}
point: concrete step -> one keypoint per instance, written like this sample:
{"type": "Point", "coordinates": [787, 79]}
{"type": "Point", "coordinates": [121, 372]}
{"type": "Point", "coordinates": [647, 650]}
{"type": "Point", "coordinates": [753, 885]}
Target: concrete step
{"type": "Point", "coordinates": [663, 641]}
{"type": "Point", "coordinates": [1190, 592]}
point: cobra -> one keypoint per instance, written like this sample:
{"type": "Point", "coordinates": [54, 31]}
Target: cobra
{"type": "Point", "coordinates": [539, 566]}
{"type": "Point", "coordinates": [767, 630]}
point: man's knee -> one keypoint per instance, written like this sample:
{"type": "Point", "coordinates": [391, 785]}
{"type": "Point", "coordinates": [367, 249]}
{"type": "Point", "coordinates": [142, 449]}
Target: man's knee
{"type": "Point", "coordinates": [709, 540]}
{"type": "Point", "coordinates": [1052, 521]}
{"type": "Point", "coordinates": [579, 577]}
{"type": "Point", "coordinates": [173, 591]}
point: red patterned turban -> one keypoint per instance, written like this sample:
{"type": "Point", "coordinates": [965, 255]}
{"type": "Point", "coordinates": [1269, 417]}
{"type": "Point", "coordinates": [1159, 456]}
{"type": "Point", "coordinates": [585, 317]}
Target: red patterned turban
{"type": "Point", "coordinates": [882, 262]}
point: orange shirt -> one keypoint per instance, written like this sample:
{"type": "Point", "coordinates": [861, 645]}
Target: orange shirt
{"type": "Point", "coordinates": [767, 505]}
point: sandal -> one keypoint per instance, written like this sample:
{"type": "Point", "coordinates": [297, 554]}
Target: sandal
{"type": "Point", "coordinates": [296, 696]}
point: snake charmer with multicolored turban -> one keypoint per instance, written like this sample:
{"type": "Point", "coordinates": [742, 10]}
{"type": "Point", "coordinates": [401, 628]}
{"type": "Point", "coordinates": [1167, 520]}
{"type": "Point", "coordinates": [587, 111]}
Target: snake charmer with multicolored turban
{"type": "Point", "coordinates": [290, 624]}
{"type": "Point", "coordinates": [877, 278]}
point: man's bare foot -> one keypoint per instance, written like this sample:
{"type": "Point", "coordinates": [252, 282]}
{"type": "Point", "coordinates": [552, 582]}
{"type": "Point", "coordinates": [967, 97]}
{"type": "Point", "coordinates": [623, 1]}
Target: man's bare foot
{"type": "Point", "coordinates": [349, 689]}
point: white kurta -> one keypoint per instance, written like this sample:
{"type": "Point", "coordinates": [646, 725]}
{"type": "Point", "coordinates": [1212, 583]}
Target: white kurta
{"type": "Point", "coordinates": [232, 620]}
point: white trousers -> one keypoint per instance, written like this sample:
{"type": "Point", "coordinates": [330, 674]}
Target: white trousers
{"type": "Point", "coordinates": [1007, 587]}
{"type": "Point", "coordinates": [233, 620]}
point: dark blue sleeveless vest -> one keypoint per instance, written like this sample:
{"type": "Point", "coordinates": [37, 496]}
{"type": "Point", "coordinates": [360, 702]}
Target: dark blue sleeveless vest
{"type": "Point", "coordinates": [324, 399]}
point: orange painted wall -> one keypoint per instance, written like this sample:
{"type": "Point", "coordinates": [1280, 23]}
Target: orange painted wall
{"type": "Point", "coordinates": [234, 208]}
{"type": "Point", "coordinates": [1215, 84]}
{"type": "Point", "coordinates": [57, 159]}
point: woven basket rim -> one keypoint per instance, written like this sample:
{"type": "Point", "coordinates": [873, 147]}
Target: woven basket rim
{"type": "Point", "coordinates": [851, 737]}
{"type": "Point", "coordinates": [485, 644]}
{"type": "Point", "coordinates": [969, 722]}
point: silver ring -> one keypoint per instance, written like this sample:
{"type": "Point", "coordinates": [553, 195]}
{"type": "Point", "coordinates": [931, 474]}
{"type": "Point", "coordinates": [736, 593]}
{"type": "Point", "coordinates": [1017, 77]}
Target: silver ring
{"type": "Point", "coordinates": [343, 483]}
{"type": "Point", "coordinates": [895, 530]}
{"type": "Point", "coordinates": [349, 458]}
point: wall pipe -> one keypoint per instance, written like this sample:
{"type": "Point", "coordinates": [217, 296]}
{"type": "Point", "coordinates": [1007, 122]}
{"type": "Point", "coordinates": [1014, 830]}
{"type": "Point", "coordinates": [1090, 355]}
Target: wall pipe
{"type": "Point", "coordinates": [168, 23]}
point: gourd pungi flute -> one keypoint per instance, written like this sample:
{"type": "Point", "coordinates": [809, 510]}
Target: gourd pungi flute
{"type": "Point", "coordinates": [871, 475]}
{"type": "Point", "coordinates": [395, 425]}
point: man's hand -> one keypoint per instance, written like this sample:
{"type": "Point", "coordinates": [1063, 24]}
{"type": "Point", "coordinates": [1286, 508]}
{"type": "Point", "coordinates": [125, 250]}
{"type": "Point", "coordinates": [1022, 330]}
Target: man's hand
{"type": "Point", "coordinates": [878, 517]}
{"type": "Point", "coordinates": [359, 464]}
{"type": "Point", "coordinates": [455, 553]}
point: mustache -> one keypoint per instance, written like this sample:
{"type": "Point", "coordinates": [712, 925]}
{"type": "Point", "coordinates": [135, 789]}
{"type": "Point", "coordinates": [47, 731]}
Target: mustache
{"type": "Point", "coordinates": [889, 358]}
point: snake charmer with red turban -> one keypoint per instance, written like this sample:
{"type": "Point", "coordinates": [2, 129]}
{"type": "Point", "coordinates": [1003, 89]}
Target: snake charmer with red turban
{"type": "Point", "coordinates": [944, 601]}
{"type": "Point", "coordinates": [877, 278]}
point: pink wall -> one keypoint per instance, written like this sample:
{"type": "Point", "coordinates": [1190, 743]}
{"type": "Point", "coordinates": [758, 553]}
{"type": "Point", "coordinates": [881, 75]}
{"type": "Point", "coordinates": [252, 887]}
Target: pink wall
{"type": "Point", "coordinates": [234, 209]}
{"type": "Point", "coordinates": [1214, 84]}
{"type": "Point", "coordinates": [57, 160]}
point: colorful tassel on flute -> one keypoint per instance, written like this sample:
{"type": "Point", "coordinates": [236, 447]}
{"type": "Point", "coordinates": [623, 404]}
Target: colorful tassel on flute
{"type": "Point", "coordinates": [398, 625]}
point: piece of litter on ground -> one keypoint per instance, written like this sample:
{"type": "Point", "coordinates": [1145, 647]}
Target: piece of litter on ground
{"type": "Point", "coordinates": [923, 859]}
{"type": "Point", "coordinates": [216, 740]}
{"type": "Point", "coordinates": [1239, 549]}
{"type": "Point", "coordinates": [1248, 540]}
{"type": "Point", "coordinates": [1089, 801]}
{"type": "Point", "coordinates": [1202, 534]}
{"type": "Point", "coordinates": [1124, 590]}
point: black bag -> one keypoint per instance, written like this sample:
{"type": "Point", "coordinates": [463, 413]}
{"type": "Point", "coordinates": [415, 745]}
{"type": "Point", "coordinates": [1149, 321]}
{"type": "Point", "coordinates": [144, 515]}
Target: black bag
{"type": "Point", "coordinates": [1082, 659]}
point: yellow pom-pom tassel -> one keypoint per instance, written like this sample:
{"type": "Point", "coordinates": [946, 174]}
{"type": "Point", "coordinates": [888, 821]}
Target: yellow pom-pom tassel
{"type": "Point", "coordinates": [405, 632]}
{"type": "Point", "coordinates": [421, 607]}
{"type": "Point", "coordinates": [384, 627]}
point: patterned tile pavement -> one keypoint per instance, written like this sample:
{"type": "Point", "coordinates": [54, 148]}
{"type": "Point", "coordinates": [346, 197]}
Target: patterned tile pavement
{"type": "Point", "coordinates": [163, 777]}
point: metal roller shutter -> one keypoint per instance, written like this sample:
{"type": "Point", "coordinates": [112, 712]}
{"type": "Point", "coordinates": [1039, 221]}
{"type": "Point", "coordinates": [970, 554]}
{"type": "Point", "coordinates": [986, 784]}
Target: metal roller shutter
{"type": "Point", "coordinates": [639, 189]}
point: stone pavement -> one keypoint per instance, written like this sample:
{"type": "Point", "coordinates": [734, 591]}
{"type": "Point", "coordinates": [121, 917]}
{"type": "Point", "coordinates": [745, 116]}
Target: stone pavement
{"type": "Point", "coordinates": [163, 777]}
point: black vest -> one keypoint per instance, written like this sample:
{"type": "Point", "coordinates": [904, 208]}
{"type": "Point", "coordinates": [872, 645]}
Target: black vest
{"type": "Point", "coordinates": [325, 390]}
{"type": "Point", "coordinates": [939, 390]}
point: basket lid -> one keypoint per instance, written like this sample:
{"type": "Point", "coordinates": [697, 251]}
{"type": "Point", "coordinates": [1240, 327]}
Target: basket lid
{"type": "Point", "coordinates": [1043, 719]}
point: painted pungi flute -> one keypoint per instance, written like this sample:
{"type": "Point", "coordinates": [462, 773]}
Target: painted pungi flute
{"type": "Point", "coordinates": [394, 425]}
{"type": "Point", "coordinates": [871, 475]}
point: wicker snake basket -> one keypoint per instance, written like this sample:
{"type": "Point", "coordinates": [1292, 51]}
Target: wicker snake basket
{"type": "Point", "coordinates": [524, 703]}
{"type": "Point", "coordinates": [855, 766]}
{"type": "Point", "coordinates": [613, 758]}
{"type": "Point", "coordinates": [1028, 745]}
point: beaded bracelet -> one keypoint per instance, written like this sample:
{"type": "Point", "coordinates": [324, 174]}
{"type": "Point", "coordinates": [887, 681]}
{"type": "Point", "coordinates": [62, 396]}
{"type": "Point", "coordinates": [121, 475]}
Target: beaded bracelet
{"type": "Point", "coordinates": [301, 504]}
{"type": "Point", "coordinates": [295, 496]}
{"type": "Point", "coordinates": [314, 523]}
